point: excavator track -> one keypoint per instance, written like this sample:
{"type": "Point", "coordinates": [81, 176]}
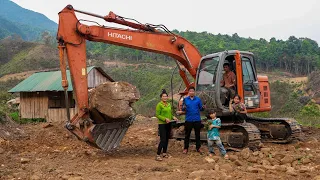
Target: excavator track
{"type": "Point", "coordinates": [251, 133]}
{"type": "Point", "coordinates": [276, 130]}
{"type": "Point", "coordinates": [235, 136]}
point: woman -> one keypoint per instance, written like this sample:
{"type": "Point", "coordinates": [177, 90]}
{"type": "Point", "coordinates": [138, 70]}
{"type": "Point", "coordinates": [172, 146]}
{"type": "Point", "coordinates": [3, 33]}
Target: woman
{"type": "Point", "coordinates": [238, 108]}
{"type": "Point", "coordinates": [164, 115]}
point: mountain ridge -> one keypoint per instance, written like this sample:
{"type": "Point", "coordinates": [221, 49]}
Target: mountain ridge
{"type": "Point", "coordinates": [28, 24]}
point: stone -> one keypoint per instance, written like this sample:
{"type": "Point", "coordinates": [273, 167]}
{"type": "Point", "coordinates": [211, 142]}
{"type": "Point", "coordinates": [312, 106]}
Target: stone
{"type": "Point", "coordinates": [305, 161]}
{"type": "Point", "coordinates": [291, 148]}
{"type": "Point", "coordinates": [281, 168]}
{"type": "Point", "coordinates": [226, 167]}
{"type": "Point", "coordinates": [316, 178]}
{"type": "Point", "coordinates": [253, 159]}
{"type": "Point", "coordinates": [267, 167]}
{"type": "Point", "coordinates": [233, 157]}
{"type": "Point", "coordinates": [255, 170]}
{"type": "Point", "coordinates": [75, 178]}
{"type": "Point", "coordinates": [216, 158]}
{"type": "Point", "coordinates": [287, 159]}
{"type": "Point", "coordinates": [112, 101]}
{"type": "Point", "coordinates": [245, 153]}
{"type": "Point", "coordinates": [265, 163]}
{"type": "Point", "coordinates": [274, 161]}
{"type": "Point", "coordinates": [24, 160]}
{"type": "Point", "coordinates": [209, 160]}
{"type": "Point", "coordinates": [291, 171]}
{"type": "Point", "coordinates": [47, 125]}
{"type": "Point", "coordinates": [265, 150]}
{"type": "Point", "coordinates": [261, 155]}
{"type": "Point", "coordinates": [35, 177]}
{"type": "Point", "coordinates": [2, 140]}
{"type": "Point", "coordinates": [256, 153]}
{"type": "Point", "coordinates": [216, 167]}
{"type": "Point", "coordinates": [65, 177]}
{"type": "Point", "coordinates": [304, 169]}
{"type": "Point", "coordinates": [196, 174]}
{"type": "Point", "coordinates": [238, 163]}
{"type": "Point", "coordinates": [294, 164]}
{"type": "Point", "coordinates": [278, 156]}
{"type": "Point", "coordinates": [1, 150]}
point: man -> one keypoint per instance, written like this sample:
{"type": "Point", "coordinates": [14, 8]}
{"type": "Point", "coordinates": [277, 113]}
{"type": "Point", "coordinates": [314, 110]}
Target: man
{"type": "Point", "coordinates": [229, 78]}
{"type": "Point", "coordinates": [192, 106]}
{"type": "Point", "coordinates": [229, 82]}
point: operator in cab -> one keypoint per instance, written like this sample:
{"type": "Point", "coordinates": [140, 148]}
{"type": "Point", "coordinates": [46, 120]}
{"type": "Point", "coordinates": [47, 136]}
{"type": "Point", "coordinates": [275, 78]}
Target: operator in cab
{"type": "Point", "coordinates": [228, 81]}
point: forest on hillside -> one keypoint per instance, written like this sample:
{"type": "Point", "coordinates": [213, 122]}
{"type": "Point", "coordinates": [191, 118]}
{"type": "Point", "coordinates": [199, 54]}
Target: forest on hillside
{"type": "Point", "coordinates": [299, 56]}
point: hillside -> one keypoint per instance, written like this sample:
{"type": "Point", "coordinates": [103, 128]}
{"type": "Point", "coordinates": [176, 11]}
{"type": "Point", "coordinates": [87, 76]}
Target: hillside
{"type": "Point", "coordinates": [26, 23]}
{"type": "Point", "coordinates": [299, 56]}
{"type": "Point", "coordinates": [19, 56]}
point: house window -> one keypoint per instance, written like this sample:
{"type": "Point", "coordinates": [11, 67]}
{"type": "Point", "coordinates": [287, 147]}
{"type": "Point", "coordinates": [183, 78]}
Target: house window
{"type": "Point", "coordinates": [57, 100]}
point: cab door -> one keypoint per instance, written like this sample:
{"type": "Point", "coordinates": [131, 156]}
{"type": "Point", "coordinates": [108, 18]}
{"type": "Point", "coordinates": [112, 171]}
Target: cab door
{"type": "Point", "coordinates": [250, 82]}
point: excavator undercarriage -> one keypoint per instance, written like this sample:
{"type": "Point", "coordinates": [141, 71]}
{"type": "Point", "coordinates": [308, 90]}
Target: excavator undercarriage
{"type": "Point", "coordinates": [250, 133]}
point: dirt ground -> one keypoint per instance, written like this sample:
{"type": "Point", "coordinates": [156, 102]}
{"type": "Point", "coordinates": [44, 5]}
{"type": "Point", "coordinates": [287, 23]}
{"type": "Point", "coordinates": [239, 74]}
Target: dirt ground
{"type": "Point", "coordinates": [34, 152]}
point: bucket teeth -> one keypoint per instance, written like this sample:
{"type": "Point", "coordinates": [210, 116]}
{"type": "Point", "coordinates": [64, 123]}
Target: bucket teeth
{"type": "Point", "coordinates": [108, 136]}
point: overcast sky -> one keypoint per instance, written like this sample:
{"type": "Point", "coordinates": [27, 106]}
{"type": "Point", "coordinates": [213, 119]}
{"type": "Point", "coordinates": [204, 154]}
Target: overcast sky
{"type": "Point", "coordinates": [248, 18]}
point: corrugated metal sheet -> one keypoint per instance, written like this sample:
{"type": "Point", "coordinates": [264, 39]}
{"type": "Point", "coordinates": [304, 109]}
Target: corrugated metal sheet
{"type": "Point", "coordinates": [45, 81]}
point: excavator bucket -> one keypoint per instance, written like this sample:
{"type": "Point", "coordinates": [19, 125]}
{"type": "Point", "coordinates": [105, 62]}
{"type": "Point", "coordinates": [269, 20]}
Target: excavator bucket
{"type": "Point", "coordinates": [108, 136]}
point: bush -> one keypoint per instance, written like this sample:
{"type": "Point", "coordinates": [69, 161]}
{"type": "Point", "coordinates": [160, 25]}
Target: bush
{"type": "Point", "coordinates": [15, 116]}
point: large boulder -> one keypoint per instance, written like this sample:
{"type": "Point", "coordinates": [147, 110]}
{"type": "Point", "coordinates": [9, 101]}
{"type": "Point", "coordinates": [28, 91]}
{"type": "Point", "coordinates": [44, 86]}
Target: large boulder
{"type": "Point", "coordinates": [111, 101]}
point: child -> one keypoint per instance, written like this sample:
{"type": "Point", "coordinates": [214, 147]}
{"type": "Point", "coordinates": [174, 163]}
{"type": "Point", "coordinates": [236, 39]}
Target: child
{"type": "Point", "coordinates": [213, 134]}
{"type": "Point", "coordinates": [238, 108]}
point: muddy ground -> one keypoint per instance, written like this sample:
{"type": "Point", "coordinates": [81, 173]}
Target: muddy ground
{"type": "Point", "coordinates": [34, 152]}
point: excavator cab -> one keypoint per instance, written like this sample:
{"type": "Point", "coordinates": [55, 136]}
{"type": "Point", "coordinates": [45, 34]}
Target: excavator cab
{"type": "Point", "coordinates": [210, 73]}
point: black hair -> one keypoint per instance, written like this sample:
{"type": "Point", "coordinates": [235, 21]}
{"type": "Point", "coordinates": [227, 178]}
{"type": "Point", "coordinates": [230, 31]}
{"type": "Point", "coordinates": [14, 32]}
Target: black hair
{"type": "Point", "coordinates": [226, 64]}
{"type": "Point", "coordinates": [191, 87]}
{"type": "Point", "coordinates": [237, 95]}
{"type": "Point", "coordinates": [210, 112]}
{"type": "Point", "coordinates": [163, 92]}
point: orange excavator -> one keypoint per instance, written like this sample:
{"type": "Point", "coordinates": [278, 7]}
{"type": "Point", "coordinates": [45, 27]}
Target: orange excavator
{"type": "Point", "coordinates": [206, 72]}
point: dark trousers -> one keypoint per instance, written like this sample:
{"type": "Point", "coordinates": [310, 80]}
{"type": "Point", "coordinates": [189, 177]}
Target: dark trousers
{"type": "Point", "coordinates": [188, 128]}
{"type": "Point", "coordinates": [164, 132]}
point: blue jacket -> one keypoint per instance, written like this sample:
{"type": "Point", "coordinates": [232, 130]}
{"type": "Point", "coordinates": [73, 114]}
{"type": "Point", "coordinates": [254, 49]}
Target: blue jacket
{"type": "Point", "coordinates": [192, 107]}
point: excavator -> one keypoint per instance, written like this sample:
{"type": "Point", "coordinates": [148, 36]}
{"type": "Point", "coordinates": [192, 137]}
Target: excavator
{"type": "Point", "coordinates": [206, 72]}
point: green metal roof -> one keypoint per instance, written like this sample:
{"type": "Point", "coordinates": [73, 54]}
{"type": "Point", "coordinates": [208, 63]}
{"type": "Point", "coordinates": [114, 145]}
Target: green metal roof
{"type": "Point", "coordinates": [46, 81]}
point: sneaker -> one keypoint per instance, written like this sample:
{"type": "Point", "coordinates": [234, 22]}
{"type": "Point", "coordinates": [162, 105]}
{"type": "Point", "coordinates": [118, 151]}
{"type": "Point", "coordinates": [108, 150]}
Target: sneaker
{"type": "Point", "coordinates": [158, 158]}
{"type": "Point", "coordinates": [185, 151]}
{"type": "Point", "coordinates": [226, 157]}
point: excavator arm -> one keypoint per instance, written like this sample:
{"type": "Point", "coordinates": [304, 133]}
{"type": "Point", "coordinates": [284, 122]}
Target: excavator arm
{"type": "Point", "coordinates": [72, 36]}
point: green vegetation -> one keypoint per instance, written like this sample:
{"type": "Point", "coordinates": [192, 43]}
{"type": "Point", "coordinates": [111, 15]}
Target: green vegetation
{"type": "Point", "coordinates": [289, 100]}
{"type": "Point", "coordinates": [26, 56]}
{"type": "Point", "coordinates": [5, 96]}
{"type": "Point", "coordinates": [295, 55]}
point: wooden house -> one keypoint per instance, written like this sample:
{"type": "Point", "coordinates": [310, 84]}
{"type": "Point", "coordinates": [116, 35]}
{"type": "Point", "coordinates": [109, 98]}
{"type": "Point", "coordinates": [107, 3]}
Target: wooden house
{"type": "Point", "coordinates": [42, 95]}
